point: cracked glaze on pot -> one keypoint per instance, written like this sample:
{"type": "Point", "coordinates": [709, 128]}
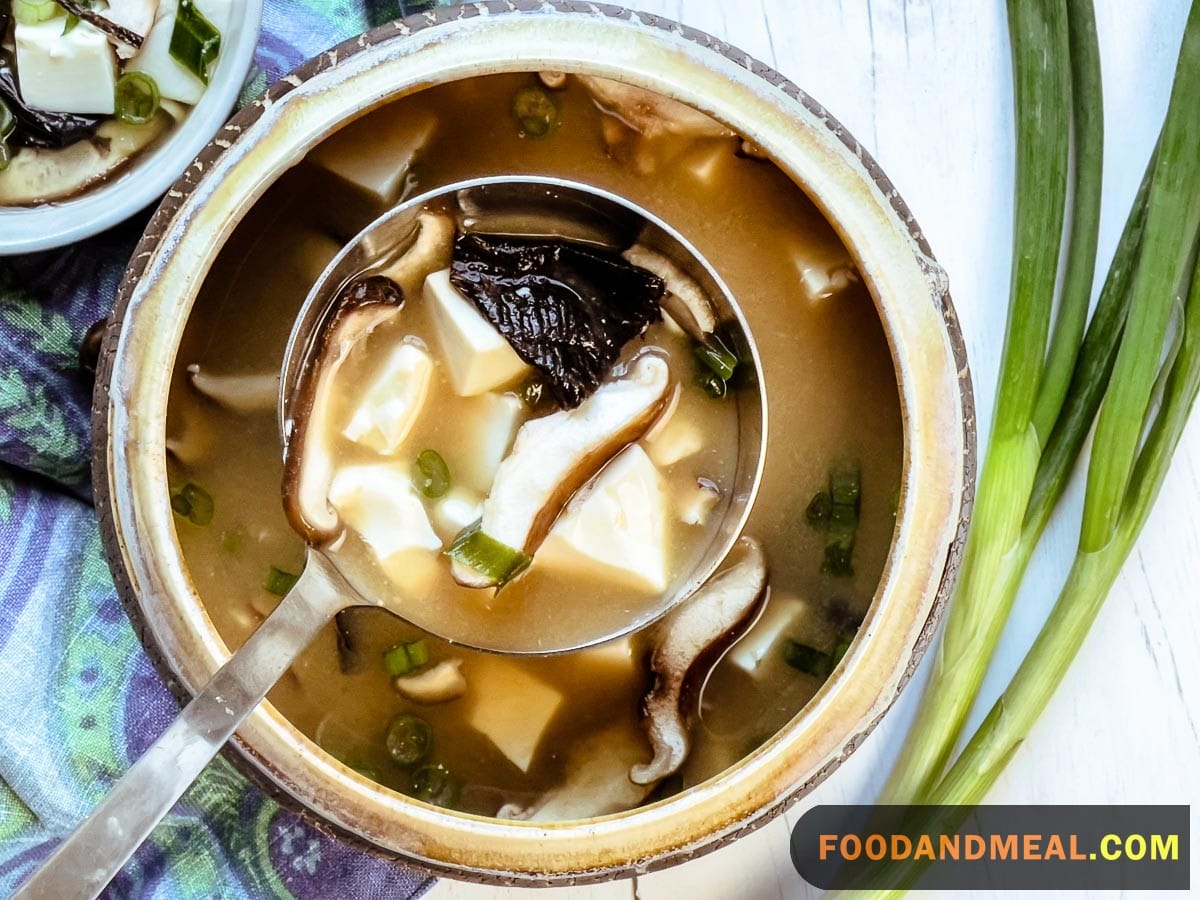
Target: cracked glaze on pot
{"type": "Point", "coordinates": [198, 215]}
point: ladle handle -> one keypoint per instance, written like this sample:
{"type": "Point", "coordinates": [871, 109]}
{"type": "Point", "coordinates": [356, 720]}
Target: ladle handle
{"type": "Point", "coordinates": [89, 858]}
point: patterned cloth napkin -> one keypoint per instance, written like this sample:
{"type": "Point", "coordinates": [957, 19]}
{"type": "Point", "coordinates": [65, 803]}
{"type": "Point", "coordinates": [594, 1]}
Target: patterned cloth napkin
{"type": "Point", "coordinates": [79, 700]}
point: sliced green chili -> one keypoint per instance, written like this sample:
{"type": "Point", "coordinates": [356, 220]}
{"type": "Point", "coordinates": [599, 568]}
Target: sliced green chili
{"type": "Point", "coordinates": [487, 555]}
{"type": "Point", "coordinates": [408, 739]}
{"type": "Point", "coordinates": [279, 582]}
{"type": "Point", "coordinates": [137, 98]}
{"type": "Point", "coordinates": [434, 478]}
{"type": "Point", "coordinates": [195, 42]}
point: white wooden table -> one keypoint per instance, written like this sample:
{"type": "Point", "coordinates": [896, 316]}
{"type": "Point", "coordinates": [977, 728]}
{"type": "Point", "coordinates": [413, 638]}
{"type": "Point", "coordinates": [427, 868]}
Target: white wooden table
{"type": "Point", "coordinates": [926, 85]}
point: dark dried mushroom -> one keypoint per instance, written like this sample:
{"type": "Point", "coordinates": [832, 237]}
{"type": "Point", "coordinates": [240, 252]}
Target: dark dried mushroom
{"type": "Point", "coordinates": [36, 127]}
{"type": "Point", "coordinates": [362, 306]}
{"type": "Point", "coordinates": [566, 309]}
{"type": "Point", "coordinates": [689, 641]}
{"type": "Point", "coordinates": [555, 455]}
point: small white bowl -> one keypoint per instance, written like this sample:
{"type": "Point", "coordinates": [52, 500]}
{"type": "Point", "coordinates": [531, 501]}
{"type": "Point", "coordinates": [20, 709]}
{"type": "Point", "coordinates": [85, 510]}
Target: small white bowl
{"type": "Point", "coordinates": [149, 174]}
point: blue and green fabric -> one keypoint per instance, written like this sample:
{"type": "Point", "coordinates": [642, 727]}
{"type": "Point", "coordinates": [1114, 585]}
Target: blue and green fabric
{"type": "Point", "coordinates": [79, 699]}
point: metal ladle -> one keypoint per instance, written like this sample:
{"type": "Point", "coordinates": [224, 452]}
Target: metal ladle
{"type": "Point", "coordinates": [89, 858]}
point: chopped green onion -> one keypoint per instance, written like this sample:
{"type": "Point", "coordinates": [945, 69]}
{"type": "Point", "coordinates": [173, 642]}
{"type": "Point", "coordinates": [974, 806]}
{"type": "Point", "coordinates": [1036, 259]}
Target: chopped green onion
{"type": "Point", "coordinates": [279, 582]}
{"type": "Point", "coordinates": [5, 155]}
{"type": "Point", "coordinates": [31, 12]}
{"type": "Point", "coordinates": [195, 41]}
{"type": "Point", "coordinates": [404, 658]}
{"type": "Point", "coordinates": [435, 474]}
{"type": "Point", "coordinates": [233, 541]}
{"type": "Point", "coordinates": [839, 649]}
{"type": "Point", "coordinates": [716, 357]}
{"type": "Point", "coordinates": [845, 491]}
{"type": "Point", "coordinates": [535, 111]}
{"type": "Point", "coordinates": [418, 653]}
{"type": "Point", "coordinates": [717, 366]}
{"type": "Point", "coordinates": [193, 503]}
{"type": "Point", "coordinates": [819, 509]}
{"type": "Point", "coordinates": [137, 98]}
{"type": "Point", "coordinates": [72, 21]}
{"type": "Point", "coordinates": [434, 784]}
{"type": "Point", "coordinates": [806, 659]}
{"type": "Point", "coordinates": [1056, 71]}
{"type": "Point", "coordinates": [713, 385]}
{"type": "Point", "coordinates": [487, 555]}
{"type": "Point", "coordinates": [408, 739]}
{"type": "Point", "coordinates": [8, 122]}
{"type": "Point", "coordinates": [845, 485]}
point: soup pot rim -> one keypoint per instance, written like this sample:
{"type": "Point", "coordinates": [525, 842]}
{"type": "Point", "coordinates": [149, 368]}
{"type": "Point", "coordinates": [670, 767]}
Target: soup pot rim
{"type": "Point", "coordinates": [447, 44]}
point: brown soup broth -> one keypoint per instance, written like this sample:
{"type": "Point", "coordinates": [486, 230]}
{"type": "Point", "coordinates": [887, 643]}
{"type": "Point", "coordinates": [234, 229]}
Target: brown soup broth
{"type": "Point", "coordinates": [831, 391]}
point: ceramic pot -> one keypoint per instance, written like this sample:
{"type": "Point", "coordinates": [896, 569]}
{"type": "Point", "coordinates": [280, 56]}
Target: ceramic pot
{"type": "Point", "coordinates": [910, 293]}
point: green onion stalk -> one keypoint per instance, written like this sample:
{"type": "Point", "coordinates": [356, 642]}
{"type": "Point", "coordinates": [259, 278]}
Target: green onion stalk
{"type": "Point", "coordinates": [1155, 378]}
{"type": "Point", "coordinates": [1057, 83]}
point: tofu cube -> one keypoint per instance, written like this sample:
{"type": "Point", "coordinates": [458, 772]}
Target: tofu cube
{"type": "Point", "coordinates": [381, 504]}
{"type": "Point", "coordinates": [393, 401]}
{"type": "Point", "coordinates": [784, 615]}
{"type": "Point", "coordinates": [510, 707]}
{"type": "Point", "coordinates": [373, 156]}
{"type": "Point", "coordinates": [491, 421]}
{"type": "Point", "coordinates": [174, 81]}
{"type": "Point", "coordinates": [74, 72]}
{"type": "Point", "coordinates": [709, 161]}
{"type": "Point", "coordinates": [614, 659]}
{"type": "Point", "coordinates": [308, 253]}
{"type": "Point", "coordinates": [615, 529]}
{"type": "Point", "coordinates": [135, 15]}
{"type": "Point", "coordinates": [477, 355]}
{"type": "Point", "coordinates": [454, 512]}
{"type": "Point", "coordinates": [676, 440]}
{"type": "Point", "coordinates": [696, 503]}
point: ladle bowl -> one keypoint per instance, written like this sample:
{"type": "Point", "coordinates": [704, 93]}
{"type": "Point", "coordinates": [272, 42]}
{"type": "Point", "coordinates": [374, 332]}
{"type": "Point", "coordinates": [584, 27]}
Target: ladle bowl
{"type": "Point", "coordinates": [89, 858]}
{"type": "Point", "coordinates": [522, 206]}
